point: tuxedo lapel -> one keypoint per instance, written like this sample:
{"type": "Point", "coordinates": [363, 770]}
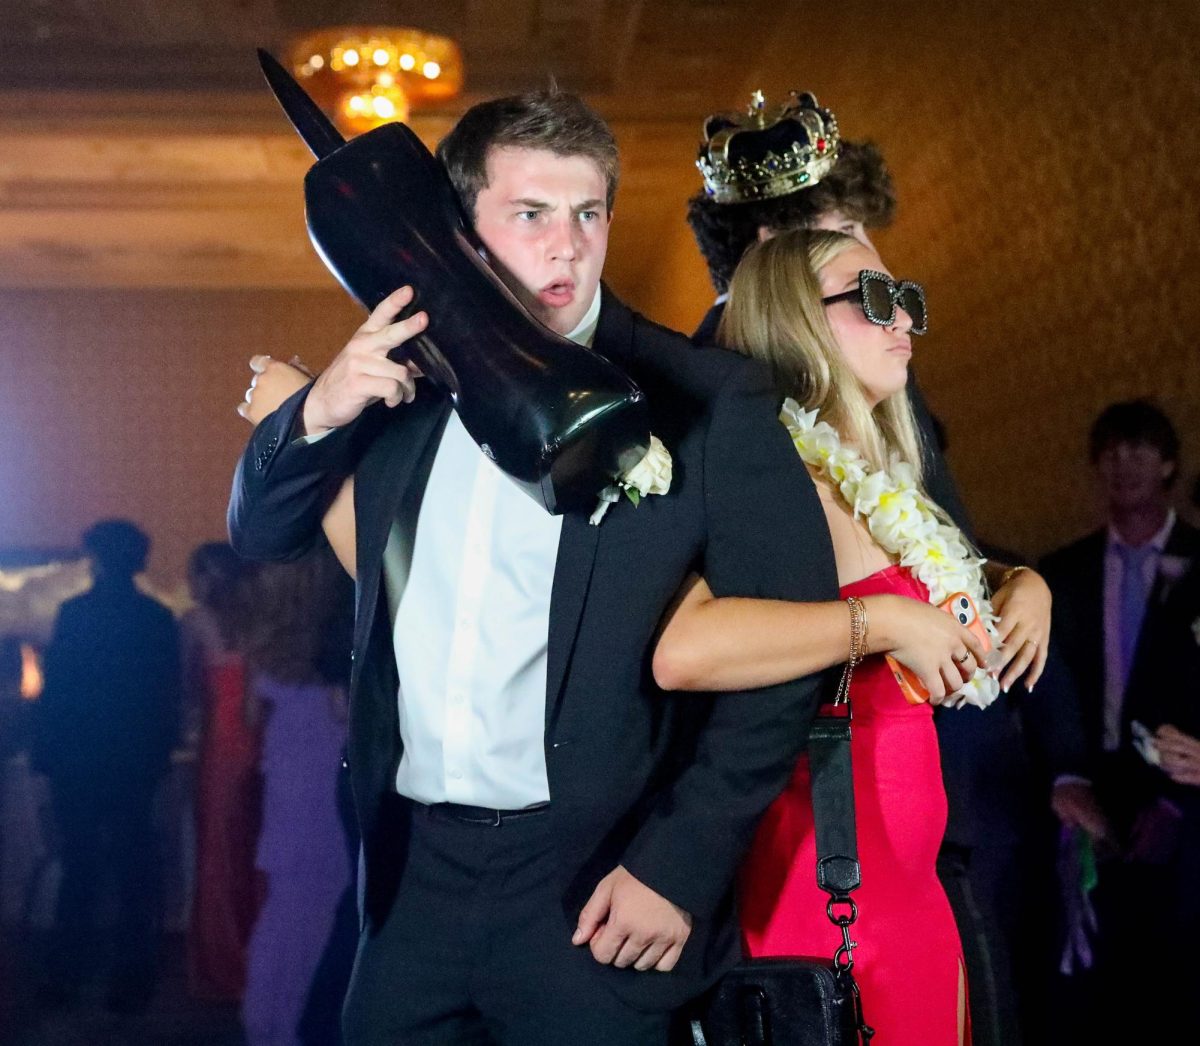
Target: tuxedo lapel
{"type": "Point", "coordinates": [578, 539]}
{"type": "Point", "coordinates": [398, 458]}
{"type": "Point", "coordinates": [1091, 604]}
{"type": "Point", "coordinates": [1179, 554]}
{"type": "Point", "coordinates": [572, 576]}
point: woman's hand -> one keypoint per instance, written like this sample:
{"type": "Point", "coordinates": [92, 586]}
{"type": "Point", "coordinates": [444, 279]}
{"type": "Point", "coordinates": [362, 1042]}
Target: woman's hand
{"type": "Point", "coordinates": [943, 653]}
{"type": "Point", "coordinates": [1180, 754]}
{"type": "Point", "coordinates": [1023, 606]}
{"type": "Point", "coordinates": [273, 382]}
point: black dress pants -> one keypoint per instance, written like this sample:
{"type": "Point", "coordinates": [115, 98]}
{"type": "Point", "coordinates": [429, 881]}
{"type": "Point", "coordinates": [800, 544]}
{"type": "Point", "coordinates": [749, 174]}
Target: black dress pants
{"type": "Point", "coordinates": [107, 834]}
{"type": "Point", "coordinates": [475, 950]}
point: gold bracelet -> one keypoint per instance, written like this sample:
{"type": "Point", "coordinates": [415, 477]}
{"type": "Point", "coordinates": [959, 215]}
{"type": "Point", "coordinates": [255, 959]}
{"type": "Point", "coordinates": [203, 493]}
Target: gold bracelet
{"type": "Point", "coordinates": [858, 646]}
{"type": "Point", "coordinates": [1008, 575]}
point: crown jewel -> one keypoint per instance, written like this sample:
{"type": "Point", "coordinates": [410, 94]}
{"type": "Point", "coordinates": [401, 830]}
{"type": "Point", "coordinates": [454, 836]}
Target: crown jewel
{"type": "Point", "coordinates": [756, 156]}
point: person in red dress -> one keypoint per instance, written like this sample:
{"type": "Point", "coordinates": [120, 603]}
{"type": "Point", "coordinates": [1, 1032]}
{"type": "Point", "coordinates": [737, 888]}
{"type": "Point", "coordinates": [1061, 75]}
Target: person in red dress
{"type": "Point", "coordinates": [797, 302]}
{"type": "Point", "coordinates": [228, 793]}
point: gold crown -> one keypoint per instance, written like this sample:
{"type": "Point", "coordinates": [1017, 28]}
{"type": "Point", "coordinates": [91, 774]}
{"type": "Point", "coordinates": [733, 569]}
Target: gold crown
{"type": "Point", "coordinates": [747, 157]}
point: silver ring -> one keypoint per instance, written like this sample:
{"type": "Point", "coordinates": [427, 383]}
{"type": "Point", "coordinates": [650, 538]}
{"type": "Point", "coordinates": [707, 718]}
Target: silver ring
{"type": "Point", "coordinates": [964, 659]}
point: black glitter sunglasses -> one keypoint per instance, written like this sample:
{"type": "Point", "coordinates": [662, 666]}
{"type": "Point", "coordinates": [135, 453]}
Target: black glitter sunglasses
{"type": "Point", "coordinates": [878, 294]}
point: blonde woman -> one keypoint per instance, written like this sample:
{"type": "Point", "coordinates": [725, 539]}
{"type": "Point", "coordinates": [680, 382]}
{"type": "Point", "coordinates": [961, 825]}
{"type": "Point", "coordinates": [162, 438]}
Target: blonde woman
{"type": "Point", "coordinates": [822, 310]}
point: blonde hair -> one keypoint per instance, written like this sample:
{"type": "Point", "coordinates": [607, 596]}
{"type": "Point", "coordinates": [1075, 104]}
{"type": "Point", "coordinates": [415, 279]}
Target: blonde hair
{"type": "Point", "coordinates": [775, 315]}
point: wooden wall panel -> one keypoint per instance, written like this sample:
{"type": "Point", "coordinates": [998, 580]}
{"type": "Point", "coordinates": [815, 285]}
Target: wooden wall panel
{"type": "Point", "coordinates": [123, 403]}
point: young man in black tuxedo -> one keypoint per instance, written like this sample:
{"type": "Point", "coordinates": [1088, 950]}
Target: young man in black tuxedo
{"type": "Point", "coordinates": [1118, 592]}
{"type": "Point", "coordinates": [549, 841]}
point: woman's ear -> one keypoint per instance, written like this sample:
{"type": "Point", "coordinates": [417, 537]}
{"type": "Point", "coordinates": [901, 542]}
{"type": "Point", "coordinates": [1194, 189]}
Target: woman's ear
{"type": "Point", "coordinates": [765, 232]}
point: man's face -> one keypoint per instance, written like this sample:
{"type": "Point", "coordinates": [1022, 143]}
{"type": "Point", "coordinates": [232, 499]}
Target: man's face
{"type": "Point", "coordinates": [1133, 475]}
{"type": "Point", "coordinates": [836, 221]}
{"type": "Point", "coordinates": [545, 221]}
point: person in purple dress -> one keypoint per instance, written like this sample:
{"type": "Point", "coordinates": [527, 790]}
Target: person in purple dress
{"type": "Point", "coordinates": [302, 849]}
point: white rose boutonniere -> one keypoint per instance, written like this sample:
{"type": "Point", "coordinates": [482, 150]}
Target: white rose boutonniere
{"type": "Point", "coordinates": [1196, 630]}
{"type": "Point", "coordinates": [651, 475]}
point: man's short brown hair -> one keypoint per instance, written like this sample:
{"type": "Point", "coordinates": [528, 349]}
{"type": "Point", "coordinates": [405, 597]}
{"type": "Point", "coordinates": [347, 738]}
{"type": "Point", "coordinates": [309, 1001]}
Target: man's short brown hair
{"type": "Point", "coordinates": [859, 186]}
{"type": "Point", "coordinates": [553, 120]}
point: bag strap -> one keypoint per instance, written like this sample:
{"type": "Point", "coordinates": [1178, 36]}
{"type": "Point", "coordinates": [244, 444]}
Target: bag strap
{"type": "Point", "coordinates": [838, 870]}
{"type": "Point", "coordinates": [831, 771]}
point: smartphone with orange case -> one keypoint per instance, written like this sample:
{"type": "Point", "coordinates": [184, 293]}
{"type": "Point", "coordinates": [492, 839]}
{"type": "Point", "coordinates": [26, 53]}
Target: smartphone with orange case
{"type": "Point", "coordinates": [961, 606]}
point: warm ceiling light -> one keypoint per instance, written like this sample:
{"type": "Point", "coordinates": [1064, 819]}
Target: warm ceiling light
{"type": "Point", "coordinates": [364, 76]}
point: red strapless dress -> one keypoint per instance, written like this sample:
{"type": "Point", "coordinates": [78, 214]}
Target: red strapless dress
{"type": "Point", "coordinates": [228, 798]}
{"type": "Point", "coordinates": [908, 958]}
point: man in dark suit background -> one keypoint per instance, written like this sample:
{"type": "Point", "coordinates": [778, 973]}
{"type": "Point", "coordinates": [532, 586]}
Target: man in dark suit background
{"type": "Point", "coordinates": [1115, 595]}
{"type": "Point", "coordinates": [103, 732]}
{"type": "Point", "coordinates": [549, 840]}
{"type": "Point", "coordinates": [1164, 693]}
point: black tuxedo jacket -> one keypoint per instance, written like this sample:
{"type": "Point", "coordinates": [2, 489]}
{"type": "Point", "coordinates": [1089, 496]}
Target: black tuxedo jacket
{"type": "Point", "coordinates": [1076, 577]}
{"type": "Point", "coordinates": [670, 786]}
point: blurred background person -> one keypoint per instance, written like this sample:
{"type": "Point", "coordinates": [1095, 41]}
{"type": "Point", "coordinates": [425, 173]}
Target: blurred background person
{"type": "Point", "coordinates": [228, 793]}
{"type": "Point", "coordinates": [298, 649]}
{"type": "Point", "coordinates": [106, 723]}
{"type": "Point", "coordinates": [1164, 696]}
{"type": "Point", "coordinates": [1115, 598]}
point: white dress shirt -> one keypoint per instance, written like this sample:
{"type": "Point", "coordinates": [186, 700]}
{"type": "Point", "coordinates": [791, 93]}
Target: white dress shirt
{"type": "Point", "coordinates": [1115, 679]}
{"type": "Point", "coordinates": [470, 613]}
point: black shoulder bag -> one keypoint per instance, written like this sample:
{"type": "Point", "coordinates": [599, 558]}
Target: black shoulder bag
{"type": "Point", "coordinates": [801, 1001]}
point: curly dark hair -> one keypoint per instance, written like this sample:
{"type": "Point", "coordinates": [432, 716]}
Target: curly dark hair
{"type": "Point", "coordinates": [859, 186]}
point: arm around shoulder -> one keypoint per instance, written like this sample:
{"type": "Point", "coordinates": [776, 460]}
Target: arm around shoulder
{"type": "Point", "coordinates": [284, 483]}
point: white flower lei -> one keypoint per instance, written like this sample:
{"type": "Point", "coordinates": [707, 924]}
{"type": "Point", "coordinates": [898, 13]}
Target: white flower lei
{"type": "Point", "coordinates": [903, 521]}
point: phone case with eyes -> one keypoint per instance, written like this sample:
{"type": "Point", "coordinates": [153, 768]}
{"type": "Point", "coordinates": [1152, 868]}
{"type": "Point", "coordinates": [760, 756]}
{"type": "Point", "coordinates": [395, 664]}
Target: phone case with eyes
{"type": "Point", "coordinates": [961, 606]}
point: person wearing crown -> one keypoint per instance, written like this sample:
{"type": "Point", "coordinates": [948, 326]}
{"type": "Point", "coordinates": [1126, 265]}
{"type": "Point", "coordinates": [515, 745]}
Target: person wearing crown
{"type": "Point", "coordinates": [766, 172]}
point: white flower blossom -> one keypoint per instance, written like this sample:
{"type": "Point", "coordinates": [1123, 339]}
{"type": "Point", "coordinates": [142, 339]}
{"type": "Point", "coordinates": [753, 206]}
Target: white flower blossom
{"type": "Point", "coordinates": [651, 475]}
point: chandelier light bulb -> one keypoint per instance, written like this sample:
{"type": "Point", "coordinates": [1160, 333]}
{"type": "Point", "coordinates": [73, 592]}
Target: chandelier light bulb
{"type": "Point", "coordinates": [367, 75]}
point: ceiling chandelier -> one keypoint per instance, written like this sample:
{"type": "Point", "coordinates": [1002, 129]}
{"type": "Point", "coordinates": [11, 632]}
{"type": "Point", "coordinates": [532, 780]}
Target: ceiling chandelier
{"type": "Point", "coordinates": [367, 75]}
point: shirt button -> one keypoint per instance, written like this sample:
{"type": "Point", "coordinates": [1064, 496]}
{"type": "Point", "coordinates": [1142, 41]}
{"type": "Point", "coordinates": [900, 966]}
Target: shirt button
{"type": "Point", "coordinates": [456, 775]}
